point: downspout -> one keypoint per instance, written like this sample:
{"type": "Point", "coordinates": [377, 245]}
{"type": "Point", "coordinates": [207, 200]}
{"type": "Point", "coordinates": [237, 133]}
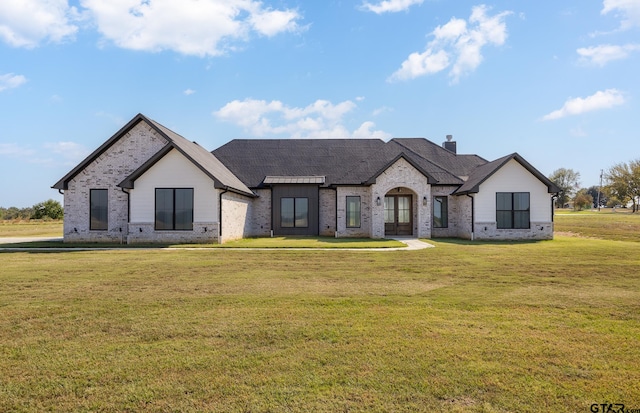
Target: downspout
{"type": "Point", "coordinates": [335, 233]}
{"type": "Point", "coordinates": [220, 214]}
{"type": "Point", "coordinates": [473, 218]}
{"type": "Point", "coordinates": [272, 214]}
{"type": "Point", "coordinates": [126, 231]}
{"type": "Point", "coordinates": [553, 203]}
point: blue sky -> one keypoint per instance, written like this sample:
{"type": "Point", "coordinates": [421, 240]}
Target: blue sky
{"type": "Point", "coordinates": [556, 82]}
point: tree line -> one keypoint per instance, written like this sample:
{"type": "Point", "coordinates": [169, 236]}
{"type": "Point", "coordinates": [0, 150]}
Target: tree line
{"type": "Point", "coordinates": [620, 187]}
{"type": "Point", "coordinates": [49, 209]}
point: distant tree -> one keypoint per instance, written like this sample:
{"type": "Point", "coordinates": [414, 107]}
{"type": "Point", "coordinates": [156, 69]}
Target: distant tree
{"type": "Point", "coordinates": [17, 213]}
{"type": "Point", "coordinates": [582, 200]}
{"type": "Point", "coordinates": [48, 209]}
{"type": "Point", "coordinates": [623, 182]}
{"type": "Point", "coordinates": [593, 191]}
{"type": "Point", "coordinates": [568, 181]}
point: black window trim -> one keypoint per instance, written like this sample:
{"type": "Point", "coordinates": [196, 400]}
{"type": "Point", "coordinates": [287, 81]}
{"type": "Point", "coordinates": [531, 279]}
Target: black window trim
{"type": "Point", "coordinates": [173, 215]}
{"type": "Point", "coordinates": [446, 211]}
{"type": "Point", "coordinates": [513, 211]}
{"type": "Point", "coordinates": [346, 211]}
{"type": "Point", "coordinates": [294, 211]}
{"type": "Point", "coordinates": [106, 224]}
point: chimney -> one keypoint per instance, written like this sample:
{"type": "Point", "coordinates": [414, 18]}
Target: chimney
{"type": "Point", "coordinates": [450, 144]}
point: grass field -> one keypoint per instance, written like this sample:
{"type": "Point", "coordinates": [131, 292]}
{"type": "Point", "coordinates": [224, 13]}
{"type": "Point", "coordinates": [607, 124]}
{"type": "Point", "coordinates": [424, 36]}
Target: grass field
{"type": "Point", "coordinates": [528, 327]}
{"type": "Point", "coordinates": [32, 228]}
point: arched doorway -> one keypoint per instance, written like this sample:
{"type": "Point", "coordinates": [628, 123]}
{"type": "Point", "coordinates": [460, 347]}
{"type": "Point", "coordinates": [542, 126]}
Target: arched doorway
{"type": "Point", "coordinates": [398, 212]}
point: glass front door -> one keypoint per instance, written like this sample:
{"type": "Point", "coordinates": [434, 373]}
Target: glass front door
{"type": "Point", "coordinates": [398, 215]}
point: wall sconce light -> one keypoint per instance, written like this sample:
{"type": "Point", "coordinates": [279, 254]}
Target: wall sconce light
{"type": "Point", "coordinates": [75, 230]}
{"type": "Point", "coordinates": [378, 201]}
{"type": "Point", "coordinates": [205, 229]}
{"type": "Point", "coordinates": [140, 229]}
{"type": "Point", "coordinates": [424, 200]}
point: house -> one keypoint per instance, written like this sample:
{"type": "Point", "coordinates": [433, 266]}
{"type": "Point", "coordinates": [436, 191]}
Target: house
{"type": "Point", "coordinates": [148, 184]}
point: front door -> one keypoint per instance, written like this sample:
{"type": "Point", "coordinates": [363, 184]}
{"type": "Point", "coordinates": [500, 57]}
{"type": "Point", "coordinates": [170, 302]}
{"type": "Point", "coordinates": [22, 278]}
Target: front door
{"type": "Point", "coordinates": [398, 215]}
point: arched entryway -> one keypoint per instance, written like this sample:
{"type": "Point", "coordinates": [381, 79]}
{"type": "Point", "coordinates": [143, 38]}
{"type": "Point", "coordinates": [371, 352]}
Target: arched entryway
{"type": "Point", "coordinates": [398, 212]}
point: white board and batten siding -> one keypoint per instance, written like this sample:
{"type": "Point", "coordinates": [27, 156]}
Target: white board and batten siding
{"type": "Point", "coordinates": [513, 177]}
{"type": "Point", "coordinates": [174, 171]}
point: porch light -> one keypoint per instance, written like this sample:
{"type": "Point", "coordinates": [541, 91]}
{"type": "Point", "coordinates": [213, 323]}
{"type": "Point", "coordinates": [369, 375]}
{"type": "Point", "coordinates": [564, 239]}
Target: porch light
{"type": "Point", "coordinates": [424, 200]}
{"type": "Point", "coordinates": [378, 201]}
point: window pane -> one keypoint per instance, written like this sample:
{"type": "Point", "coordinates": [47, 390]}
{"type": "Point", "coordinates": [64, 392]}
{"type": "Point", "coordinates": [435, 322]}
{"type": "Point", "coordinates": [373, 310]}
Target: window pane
{"type": "Point", "coordinates": [440, 212]}
{"type": "Point", "coordinates": [353, 212]}
{"type": "Point", "coordinates": [302, 213]}
{"type": "Point", "coordinates": [504, 219]}
{"type": "Point", "coordinates": [164, 208]}
{"type": "Point", "coordinates": [99, 209]}
{"type": "Point", "coordinates": [521, 219]}
{"type": "Point", "coordinates": [286, 212]}
{"type": "Point", "coordinates": [504, 201]}
{"type": "Point", "coordinates": [404, 210]}
{"type": "Point", "coordinates": [389, 210]}
{"type": "Point", "coordinates": [184, 208]}
{"type": "Point", "coordinates": [521, 201]}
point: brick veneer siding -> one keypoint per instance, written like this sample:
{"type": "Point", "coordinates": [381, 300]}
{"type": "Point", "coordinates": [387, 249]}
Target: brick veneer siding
{"type": "Point", "coordinates": [402, 175]}
{"type": "Point", "coordinates": [459, 214]}
{"type": "Point", "coordinates": [537, 231]}
{"type": "Point", "coordinates": [327, 211]}
{"type": "Point", "coordinates": [364, 192]}
{"type": "Point", "coordinates": [261, 214]}
{"type": "Point", "coordinates": [236, 217]}
{"type": "Point", "coordinates": [108, 170]}
{"type": "Point", "coordinates": [144, 232]}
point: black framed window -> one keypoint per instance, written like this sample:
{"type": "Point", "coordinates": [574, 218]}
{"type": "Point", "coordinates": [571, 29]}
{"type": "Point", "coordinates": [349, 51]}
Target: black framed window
{"type": "Point", "coordinates": [513, 210]}
{"type": "Point", "coordinates": [294, 212]}
{"type": "Point", "coordinates": [99, 209]}
{"type": "Point", "coordinates": [440, 212]}
{"type": "Point", "coordinates": [353, 212]}
{"type": "Point", "coordinates": [174, 209]}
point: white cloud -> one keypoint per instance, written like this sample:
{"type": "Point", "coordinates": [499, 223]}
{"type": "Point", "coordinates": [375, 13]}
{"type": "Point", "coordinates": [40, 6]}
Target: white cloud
{"type": "Point", "coordinates": [576, 106]}
{"type": "Point", "coordinates": [190, 27]}
{"type": "Point", "coordinates": [321, 119]}
{"type": "Point", "coordinates": [26, 23]}
{"type": "Point", "coordinates": [390, 6]}
{"type": "Point", "coordinates": [10, 81]}
{"type": "Point", "coordinates": [627, 10]}
{"type": "Point", "coordinates": [457, 44]}
{"type": "Point", "coordinates": [603, 54]}
{"type": "Point", "coordinates": [14, 150]}
{"type": "Point", "coordinates": [70, 151]}
{"type": "Point", "coordinates": [189, 92]}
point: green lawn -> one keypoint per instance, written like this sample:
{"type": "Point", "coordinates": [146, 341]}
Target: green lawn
{"type": "Point", "coordinates": [527, 327]}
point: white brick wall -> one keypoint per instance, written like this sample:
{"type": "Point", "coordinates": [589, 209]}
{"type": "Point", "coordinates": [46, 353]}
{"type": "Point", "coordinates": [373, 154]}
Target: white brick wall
{"type": "Point", "coordinates": [327, 212]}
{"type": "Point", "coordinates": [116, 163]}
{"type": "Point", "coordinates": [402, 175]}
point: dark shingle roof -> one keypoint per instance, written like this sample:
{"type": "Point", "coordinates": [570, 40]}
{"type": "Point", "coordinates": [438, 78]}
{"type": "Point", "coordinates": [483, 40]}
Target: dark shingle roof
{"type": "Point", "coordinates": [341, 161]}
{"type": "Point", "coordinates": [483, 172]}
{"type": "Point", "coordinates": [202, 158]}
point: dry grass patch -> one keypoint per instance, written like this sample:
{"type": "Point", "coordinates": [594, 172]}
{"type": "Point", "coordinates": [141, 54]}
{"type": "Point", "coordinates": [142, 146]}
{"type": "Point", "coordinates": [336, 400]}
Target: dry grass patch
{"type": "Point", "coordinates": [31, 228]}
{"type": "Point", "coordinates": [547, 326]}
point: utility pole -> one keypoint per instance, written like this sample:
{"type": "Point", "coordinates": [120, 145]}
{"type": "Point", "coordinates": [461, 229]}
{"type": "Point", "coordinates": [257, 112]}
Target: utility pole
{"type": "Point", "coordinates": [599, 189]}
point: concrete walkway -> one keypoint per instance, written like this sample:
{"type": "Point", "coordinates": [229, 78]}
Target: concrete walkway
{"type": "Point", "coordinates": [412, 244]}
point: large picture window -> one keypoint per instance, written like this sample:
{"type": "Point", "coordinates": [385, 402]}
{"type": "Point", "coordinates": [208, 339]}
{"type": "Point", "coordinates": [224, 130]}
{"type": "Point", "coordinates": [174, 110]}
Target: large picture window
{"type": "Point", "coordinates": [512, 210]}
{"type": "Point", "coordinates": [294, 212]}
{"type": "Point", "coordinates": [99, 209]}
{"type": "Point", "coordinates": [440, 212]}
{"type": "Point", "coordinates": [174, 209]}
{"type": "Point", "coordinates": [353, 212]}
